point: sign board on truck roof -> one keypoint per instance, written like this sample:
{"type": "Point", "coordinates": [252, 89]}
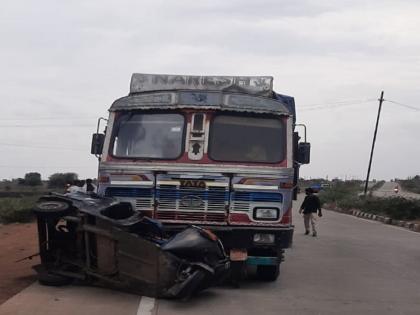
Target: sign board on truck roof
{"type": "Point", "coordinates": [255, 85]}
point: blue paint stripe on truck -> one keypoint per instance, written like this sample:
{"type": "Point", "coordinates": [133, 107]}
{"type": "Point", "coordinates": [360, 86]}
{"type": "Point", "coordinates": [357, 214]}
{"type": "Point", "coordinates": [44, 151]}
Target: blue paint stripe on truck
{"type": "Point", "coordinates": [265, 261]}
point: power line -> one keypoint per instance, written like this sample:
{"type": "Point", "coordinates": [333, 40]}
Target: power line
{"type": "Point", "coordinates": [404, 105]}
{"type": "Point", "coordinates": [48, 118]}
{"type": "Point", "coordinates": [338, 103]}
{"type": "Point", "coordinates": [30, 146]}
{"type": "Point", "coordinates": [334, 106]}
{"type": "Point", "coordinates": [44, 166]}
{"type": "Point", "coordinates": [45, 126]}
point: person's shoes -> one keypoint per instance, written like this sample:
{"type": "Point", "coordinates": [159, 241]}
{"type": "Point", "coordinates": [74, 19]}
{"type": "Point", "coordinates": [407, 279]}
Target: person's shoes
{"type": "Point", "coordinates": [307, 232]}
{"type": "Point", "coordinates": [314, 234]}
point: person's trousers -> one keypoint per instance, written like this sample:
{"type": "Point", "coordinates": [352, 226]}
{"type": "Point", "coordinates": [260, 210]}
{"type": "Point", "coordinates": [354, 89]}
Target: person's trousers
{"type": "Point", "coordinates": [309, 218]}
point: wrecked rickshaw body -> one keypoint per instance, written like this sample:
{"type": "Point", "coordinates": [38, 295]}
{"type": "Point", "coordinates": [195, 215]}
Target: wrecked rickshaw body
{"type": "Point", "coordinates": [101, 241]}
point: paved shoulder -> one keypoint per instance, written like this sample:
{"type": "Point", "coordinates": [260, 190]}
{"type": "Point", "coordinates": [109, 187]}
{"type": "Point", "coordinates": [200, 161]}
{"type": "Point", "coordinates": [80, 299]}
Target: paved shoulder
{"type": "Point", "coordinates": [70, 300]}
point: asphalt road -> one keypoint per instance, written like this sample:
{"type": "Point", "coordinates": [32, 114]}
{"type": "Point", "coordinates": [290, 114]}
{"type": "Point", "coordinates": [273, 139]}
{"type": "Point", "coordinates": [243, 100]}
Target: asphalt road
{"type": "Point", "coordinates": [387, 190]}
{"type": "Point", "coordinates": [354, 266]}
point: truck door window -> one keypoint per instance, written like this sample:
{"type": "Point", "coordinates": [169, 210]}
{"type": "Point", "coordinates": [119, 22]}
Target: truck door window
{"type": "Point", "coordinates": [158, 136]}
{"type": "Point", "coordinates": [247, 139]}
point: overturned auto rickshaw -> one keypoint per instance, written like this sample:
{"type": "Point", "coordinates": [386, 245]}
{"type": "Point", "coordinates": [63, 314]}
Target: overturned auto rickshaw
{"type": "Point", "coordinates": [101, 241]}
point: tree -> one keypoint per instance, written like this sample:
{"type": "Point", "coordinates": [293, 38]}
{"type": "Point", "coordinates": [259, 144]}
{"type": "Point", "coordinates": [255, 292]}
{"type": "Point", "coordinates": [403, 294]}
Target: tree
{"type": "Point", "coordinates": [33, 179]}
{"type": "Point", "coordinates": [59, 180]}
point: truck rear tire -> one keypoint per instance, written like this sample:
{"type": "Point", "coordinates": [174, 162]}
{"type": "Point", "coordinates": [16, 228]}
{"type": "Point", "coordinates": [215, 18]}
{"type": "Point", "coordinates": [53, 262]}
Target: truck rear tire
{"type": "Point", "coordinates": [268, 273]}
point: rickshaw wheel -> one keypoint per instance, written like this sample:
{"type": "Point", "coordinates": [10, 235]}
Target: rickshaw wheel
{"type": "Point", "coordinates": [47, 208]}
{"type": "Point", "coordinates": [50, 279]}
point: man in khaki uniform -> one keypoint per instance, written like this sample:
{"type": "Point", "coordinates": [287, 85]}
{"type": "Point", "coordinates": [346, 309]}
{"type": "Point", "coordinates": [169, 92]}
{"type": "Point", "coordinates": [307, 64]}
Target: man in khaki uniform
{"type": "Point", "coordinates": [309, 206]}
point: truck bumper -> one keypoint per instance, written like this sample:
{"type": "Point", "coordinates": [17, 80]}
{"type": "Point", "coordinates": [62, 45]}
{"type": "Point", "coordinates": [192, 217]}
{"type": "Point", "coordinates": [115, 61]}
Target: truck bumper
{"type": "Point", "coordinates": [243, 237]}
{"type": "Point", "coordinates": [262, 261]}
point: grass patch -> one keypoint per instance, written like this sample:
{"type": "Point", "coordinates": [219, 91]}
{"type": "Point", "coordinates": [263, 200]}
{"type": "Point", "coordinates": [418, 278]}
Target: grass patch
{"type": "Point", "coordinates": [397, 208]}
{"type": "Point", "coordinates": [377, 185]}
{"type": "Point", "coordinates": [17, 209]}
{"type": "Point", "coordinates": [412, 185]}
{"type": "Point", "coordinates": [347, 196]}
{"type": "Point", "coordinates": [343, 194]}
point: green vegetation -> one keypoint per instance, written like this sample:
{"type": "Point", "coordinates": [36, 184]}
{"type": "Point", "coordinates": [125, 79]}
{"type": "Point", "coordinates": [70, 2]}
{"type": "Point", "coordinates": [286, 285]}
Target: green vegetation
{"type": "Point", "coordinates": [33, 179]}
{"type": "Point", "coordinates": [377, 185]}
{"type": "Point", "coordinates": [59, 180]}
{"type": "Point", "coordinates": [17, 209]}
{"type": "Point", "coordinates": [397, 208]}
{"type": "Point", "coordinates": [342, 193]}
{"type": "Point", "coordinates": [411, 184]}
{"type": "Point", "coordinates": [347, 195]}
{"type": "Point", "coordinates": [18, 196]}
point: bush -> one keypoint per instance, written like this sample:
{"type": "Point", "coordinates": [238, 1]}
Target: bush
{"type": "Point", "coordinates": [59, 180]}
{"type": "Point", "coordinates": [33, 179]}
{"type": "Point", "coordinates": [341, 193]}
{"type": "Point", "coordinates": [346, 196]}
{"type": "Point", "coordinates": [397, 208]}
{"type": "Point", "coordinates": [16, 209]}
{"type": "Point", "coordinates": [412, 184]}
{"type": "Point", "coordinates": [377, 185]}
{"type": "Point", "coordinates": [350, 202]}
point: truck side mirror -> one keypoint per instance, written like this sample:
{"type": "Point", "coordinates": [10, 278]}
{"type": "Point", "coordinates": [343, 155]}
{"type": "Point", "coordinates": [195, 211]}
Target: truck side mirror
{"type": "Point", "coordinates": [304, 153]}
{"type": "Point", "coordinates": [97, 143]}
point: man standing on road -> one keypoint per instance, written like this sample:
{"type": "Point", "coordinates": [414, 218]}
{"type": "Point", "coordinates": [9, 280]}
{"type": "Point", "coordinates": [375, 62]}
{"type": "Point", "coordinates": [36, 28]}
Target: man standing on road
{"type": "Point", "coordinates": [309, 206]}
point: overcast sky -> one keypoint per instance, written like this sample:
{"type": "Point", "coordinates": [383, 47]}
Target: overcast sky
{"type": "Point", "coordinates": [63, 63]}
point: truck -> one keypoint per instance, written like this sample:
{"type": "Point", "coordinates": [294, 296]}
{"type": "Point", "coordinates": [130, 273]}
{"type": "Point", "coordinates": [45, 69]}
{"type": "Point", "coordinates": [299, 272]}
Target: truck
{"type": "Point", "coordinates": [219, 152]}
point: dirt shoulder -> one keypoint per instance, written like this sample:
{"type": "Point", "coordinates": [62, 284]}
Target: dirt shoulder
{"type": "Point", "coordinates": [16, 242]}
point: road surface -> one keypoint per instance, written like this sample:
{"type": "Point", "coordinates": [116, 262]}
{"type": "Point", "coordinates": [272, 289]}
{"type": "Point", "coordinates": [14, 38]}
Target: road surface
{"type": "Point", "coordinates": [387, 190]}
{"type": "Point", "coordinates": [354, 266]}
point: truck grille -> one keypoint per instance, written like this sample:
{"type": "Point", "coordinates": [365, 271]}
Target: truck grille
{"type": "Point", "coordinates": [191, 216]}
{"type": "Point", "coordinates": [143, 196]}
{"type": "Point", "coordinates": [192, 204]}
{"type": "Point", "coordinates": [243, 200]}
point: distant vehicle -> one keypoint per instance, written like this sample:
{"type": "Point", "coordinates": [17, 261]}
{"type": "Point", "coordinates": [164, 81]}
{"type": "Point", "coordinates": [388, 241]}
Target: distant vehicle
{"type": "Point", "coordinates": [316, 187]}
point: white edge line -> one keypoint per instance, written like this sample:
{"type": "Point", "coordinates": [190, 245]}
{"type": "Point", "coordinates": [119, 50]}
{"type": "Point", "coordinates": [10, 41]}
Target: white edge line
{"type": "Point", "coordinates": [146, 306]}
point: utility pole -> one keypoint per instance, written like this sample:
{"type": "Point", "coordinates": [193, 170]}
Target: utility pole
{"type": "Point", "coordinates": [373, 142]}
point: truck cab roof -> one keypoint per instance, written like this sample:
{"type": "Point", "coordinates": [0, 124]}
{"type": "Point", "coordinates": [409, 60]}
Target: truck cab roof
{"type": "Point", "coordinates": [230, 93]}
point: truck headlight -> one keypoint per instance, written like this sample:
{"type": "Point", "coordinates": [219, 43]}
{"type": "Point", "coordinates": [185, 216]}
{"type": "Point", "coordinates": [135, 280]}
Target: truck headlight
{"type": "Point", "coordinates": [264, 238]}
{"type": "Point", "coordinates": [269, 214]}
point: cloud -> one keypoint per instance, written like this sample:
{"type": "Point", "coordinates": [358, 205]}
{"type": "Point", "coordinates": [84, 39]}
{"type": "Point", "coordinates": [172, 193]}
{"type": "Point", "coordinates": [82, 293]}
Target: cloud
{"type": "Point", "coordinates": [72, 59]}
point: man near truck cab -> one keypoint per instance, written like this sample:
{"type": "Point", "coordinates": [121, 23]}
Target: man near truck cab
{"type": "Point", "coordinates": [309, 206]}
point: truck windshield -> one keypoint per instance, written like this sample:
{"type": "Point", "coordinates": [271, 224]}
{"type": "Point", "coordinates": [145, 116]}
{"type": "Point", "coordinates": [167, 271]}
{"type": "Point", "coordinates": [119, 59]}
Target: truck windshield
{"type": "Point", "coordinates": [157, 136]}
{"type": "Point", "coordinates": [247, 139]}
